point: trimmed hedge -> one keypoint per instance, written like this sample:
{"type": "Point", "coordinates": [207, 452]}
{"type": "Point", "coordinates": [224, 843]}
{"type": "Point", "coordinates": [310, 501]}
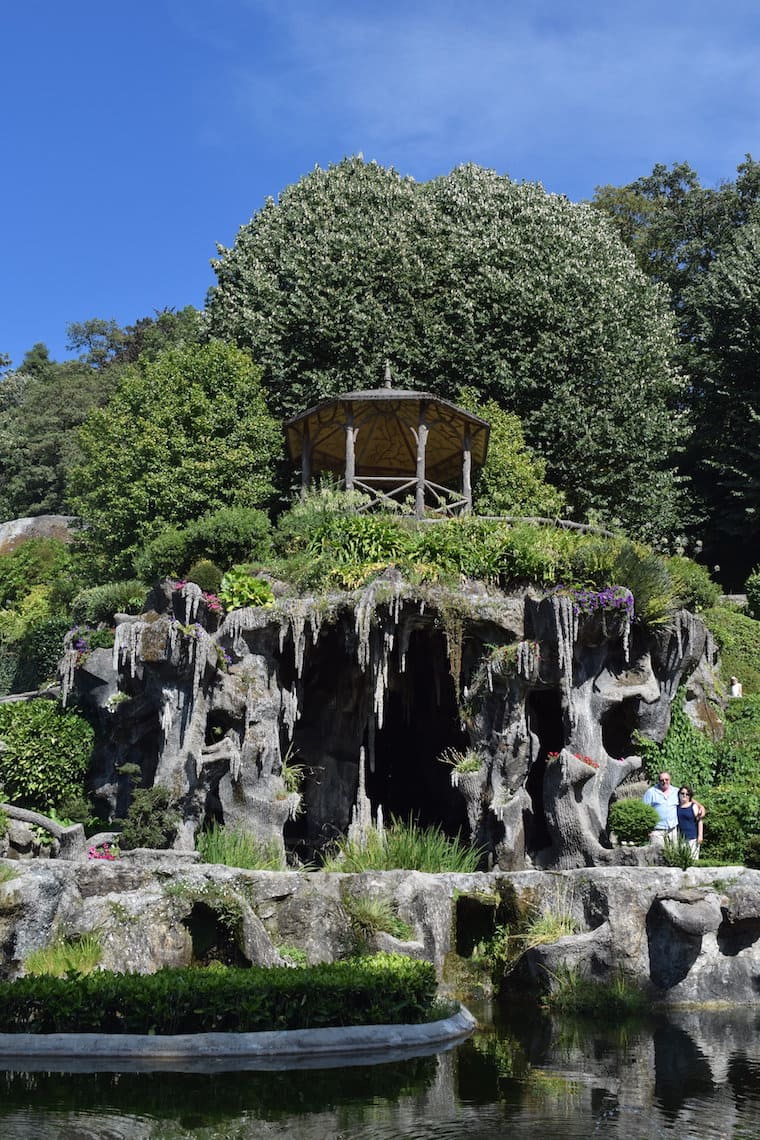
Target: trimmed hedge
{"type": "Point", "coordinates": [378, 990]}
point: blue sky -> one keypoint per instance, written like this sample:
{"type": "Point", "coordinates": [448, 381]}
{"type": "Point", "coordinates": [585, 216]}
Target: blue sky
{"type": "Point", "coordinates": [138, 134]}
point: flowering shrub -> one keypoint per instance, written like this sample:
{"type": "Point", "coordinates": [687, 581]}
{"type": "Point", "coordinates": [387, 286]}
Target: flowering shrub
{"type": "Point", "coordinates": [213, 603]}
{"type": "Point", "coordinates": [552, 756]}
{"type": "Point", "coordinates": [107, 851]}
{"type": "Point", "coordinates": [83, 640]}
{"type": "Point", "coordinates": [587, 600]}
{"type": "Point", "coordinates": [586, 760]}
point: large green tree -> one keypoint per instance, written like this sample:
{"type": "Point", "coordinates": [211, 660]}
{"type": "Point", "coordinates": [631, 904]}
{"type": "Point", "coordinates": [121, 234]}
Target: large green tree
{"type": "Point", "coordinates": [41, 406]}
{"type": "Point", "coordinates": [702, 244]}
{"type": "Point", "coordinates": [725, 450]}
{"type": "Point", "coordinates": [182, 435]}
{"type": "Point", "coordinates": [468, 280]}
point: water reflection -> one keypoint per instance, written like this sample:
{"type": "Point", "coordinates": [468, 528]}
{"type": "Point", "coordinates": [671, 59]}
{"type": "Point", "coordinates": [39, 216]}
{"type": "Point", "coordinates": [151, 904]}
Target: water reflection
{"type": "Point", "coordinates": [690, 1074]}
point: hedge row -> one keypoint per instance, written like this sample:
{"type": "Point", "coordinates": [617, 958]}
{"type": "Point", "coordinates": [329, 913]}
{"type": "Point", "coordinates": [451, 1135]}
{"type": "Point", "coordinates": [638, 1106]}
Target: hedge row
{"type": "Point", "coordinates": [378, 990]}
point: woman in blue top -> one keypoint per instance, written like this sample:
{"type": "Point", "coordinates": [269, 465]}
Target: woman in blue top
{"type": "Point", "coordinates": [689, 819]}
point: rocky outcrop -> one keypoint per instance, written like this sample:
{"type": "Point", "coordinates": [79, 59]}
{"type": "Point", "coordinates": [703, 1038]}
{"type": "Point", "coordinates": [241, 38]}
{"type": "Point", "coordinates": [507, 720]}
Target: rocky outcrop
{"type": "Point", "coordinates": [13, 533]}
{"type": "Point", "coordinates": [260, 721]}
{"type": "Point", "coordinates": [683, 936]}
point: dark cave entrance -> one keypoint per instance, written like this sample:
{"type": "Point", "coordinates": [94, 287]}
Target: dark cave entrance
{"type": "Point", "coordinates": [421, 721]}
{"type": "Point", "coordinates": [618, 726]}
{"type": "Point", "coordinates": [544, 717]}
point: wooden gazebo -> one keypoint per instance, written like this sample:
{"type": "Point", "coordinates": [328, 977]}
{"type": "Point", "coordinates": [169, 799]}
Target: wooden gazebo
{"type": "Point", "coordinates": [393, 445]}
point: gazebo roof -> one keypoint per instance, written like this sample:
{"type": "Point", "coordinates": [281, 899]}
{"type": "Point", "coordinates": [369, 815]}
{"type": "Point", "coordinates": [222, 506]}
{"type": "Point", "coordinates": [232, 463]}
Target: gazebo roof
{"type": "Point", "coordinates": [386, 419]}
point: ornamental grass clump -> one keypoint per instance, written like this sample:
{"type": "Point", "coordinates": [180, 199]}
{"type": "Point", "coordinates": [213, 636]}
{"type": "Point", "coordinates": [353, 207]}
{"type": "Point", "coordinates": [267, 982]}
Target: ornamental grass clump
{"type": "Point", "coordinates": [76, 955]}
{"type": "Point", "coordinates": [236, 847]}
{"type": "Point", "coordinates": [405, 845]}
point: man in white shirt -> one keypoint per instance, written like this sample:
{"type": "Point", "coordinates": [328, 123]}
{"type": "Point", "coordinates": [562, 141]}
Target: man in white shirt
{"type": "Point", "coordinates": [664, 798]}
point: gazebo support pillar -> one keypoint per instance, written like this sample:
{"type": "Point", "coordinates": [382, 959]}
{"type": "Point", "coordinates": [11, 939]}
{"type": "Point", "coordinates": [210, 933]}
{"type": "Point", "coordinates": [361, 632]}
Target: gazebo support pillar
{"type": "Point", "coordinates": [305, 461]}
{"type": "Point", "coordinates": [422, 434]}
{"type": "Point", "coordinates": [350, 450]}
{"type": "Point", "coordinates": [467, 470]}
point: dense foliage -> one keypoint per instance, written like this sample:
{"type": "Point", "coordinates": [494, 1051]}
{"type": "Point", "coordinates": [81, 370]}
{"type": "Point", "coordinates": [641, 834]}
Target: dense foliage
{"type": "Point", "coordinates": [702, 244]}
{"type": "Point", "coordinates": [152, 820]}
{"type": "Point", "coordinates": [45, 755]}
{"type": "Point", "coordinates": [724, 774]}
{"type": "Point", "coordinates": [183, 435]}
{"type": "Point", "coordinates": [469, 280]}
{"type": "Point", "coordinates": [380, 990]}
{"type": "Point", "coordinates": [226, 536]}
{"type": "Point", "coordinates": [632, 820]}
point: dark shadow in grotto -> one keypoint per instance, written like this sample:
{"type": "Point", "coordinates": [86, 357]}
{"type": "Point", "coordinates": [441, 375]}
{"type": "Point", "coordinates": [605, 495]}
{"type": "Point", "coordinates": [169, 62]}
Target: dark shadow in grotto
{"type": "Point", "coordinates": [619, 723]}
{"type": "Point", "coordinates": [672, 952]}
{"type": "Point", "coordinates": [326, 742]}
{"type": "Point", "coordinates": [735, 936]}
{"type": "Point", "coordinates": [213, 940]}
{"type": "Point", "coordinates": [543, 711]}
{"type": "Point", "coordinates": [421, 721]}
{"type": "Point", "coordinates": [475, 922]}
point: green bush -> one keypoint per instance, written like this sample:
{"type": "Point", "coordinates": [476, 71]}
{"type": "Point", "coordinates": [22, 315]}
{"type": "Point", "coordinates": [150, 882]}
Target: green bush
{"type": "Point", "coordinates": [226, 536]}
{"type": "Point", "coordinates": [692, 583]}
{"type": "Point", "coordinates": [632, 820]}
{"type": "Point", "coordinates": [100, 603]}
{"type": "Point", "coordinates": [151, 820]}
{"type": "Point", "coordinates": [46, 753]}
{"type": "Point", "coordinates": [733, 815]}
{"type": "Point", "coordinates": [36, 562]}
{"type": "Point", "coordinates": [739, 750]}
{"type": "Point", "coordinates": [378, 990]}
{"type": "Point", "coordinates": [752, 590]}
{"type": "Point", "coordinates": [239, 589]}
{"type": "Point", "coordinates": [230, 535]}
{"type": "Point", "coordinates": [738, 638]}
{"type": "Point", "coordinates": [40, 650]}
{"type": "Point", "coordinates": [207, 575]}
{"type": "Point", "coordinates": [752, 852]}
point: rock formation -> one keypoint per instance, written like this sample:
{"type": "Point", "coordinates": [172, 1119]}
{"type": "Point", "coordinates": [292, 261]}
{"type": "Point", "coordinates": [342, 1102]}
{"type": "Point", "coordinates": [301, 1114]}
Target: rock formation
{"type": "Point", "coordinates": [683, 936]}
{"type": "Point", "coordinates": [260, 720]}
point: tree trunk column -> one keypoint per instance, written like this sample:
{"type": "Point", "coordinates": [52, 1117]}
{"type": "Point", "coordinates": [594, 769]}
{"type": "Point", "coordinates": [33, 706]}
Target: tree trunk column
{"type": "Point", "coordinates": [422, 434]}
{"type": "Point", "coordinates": [350, 450]}
{"type": "Point", "coordinates": [467, 470]}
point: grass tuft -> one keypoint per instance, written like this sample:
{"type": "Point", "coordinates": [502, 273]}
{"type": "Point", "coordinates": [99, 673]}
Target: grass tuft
{"type": "Point", "coordinates": [78, 955]}
{"type": "Point", "coordinates": [405, 845]}
{"type": "Point", "coordinates": [235, 847]}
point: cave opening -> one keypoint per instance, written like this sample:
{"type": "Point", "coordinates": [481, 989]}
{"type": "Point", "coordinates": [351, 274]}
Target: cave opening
{"type": "Point", "coordinates": [544, 717]}
{"type": "Point", "coordinates": [421, 722]}
{"type": "Point", "coordinates": [619, 723]}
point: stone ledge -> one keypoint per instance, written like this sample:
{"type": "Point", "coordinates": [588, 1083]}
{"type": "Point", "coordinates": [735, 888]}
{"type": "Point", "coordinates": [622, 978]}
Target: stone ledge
{"type": "Point", "coordinates": [279, 1049]}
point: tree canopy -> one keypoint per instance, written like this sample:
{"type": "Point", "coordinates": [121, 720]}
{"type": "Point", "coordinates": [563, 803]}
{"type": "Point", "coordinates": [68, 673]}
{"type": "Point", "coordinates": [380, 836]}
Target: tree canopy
{"type": "Point", "coordinates": [182, 435]}
{"type": "Point", "coordinates": [702, 244]}
{"type": "Point", "coordinates": [469, 280]}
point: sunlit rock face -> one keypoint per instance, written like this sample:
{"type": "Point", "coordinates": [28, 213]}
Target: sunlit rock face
{"type": "Point", "coordinates": [683, 937]}
{"type": "Point", "coordinates": [260, 720]}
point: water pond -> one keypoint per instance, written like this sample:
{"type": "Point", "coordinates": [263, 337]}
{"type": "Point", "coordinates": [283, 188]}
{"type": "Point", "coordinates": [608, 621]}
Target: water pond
{"type": "Point", "coordinates": [693, 1075]}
